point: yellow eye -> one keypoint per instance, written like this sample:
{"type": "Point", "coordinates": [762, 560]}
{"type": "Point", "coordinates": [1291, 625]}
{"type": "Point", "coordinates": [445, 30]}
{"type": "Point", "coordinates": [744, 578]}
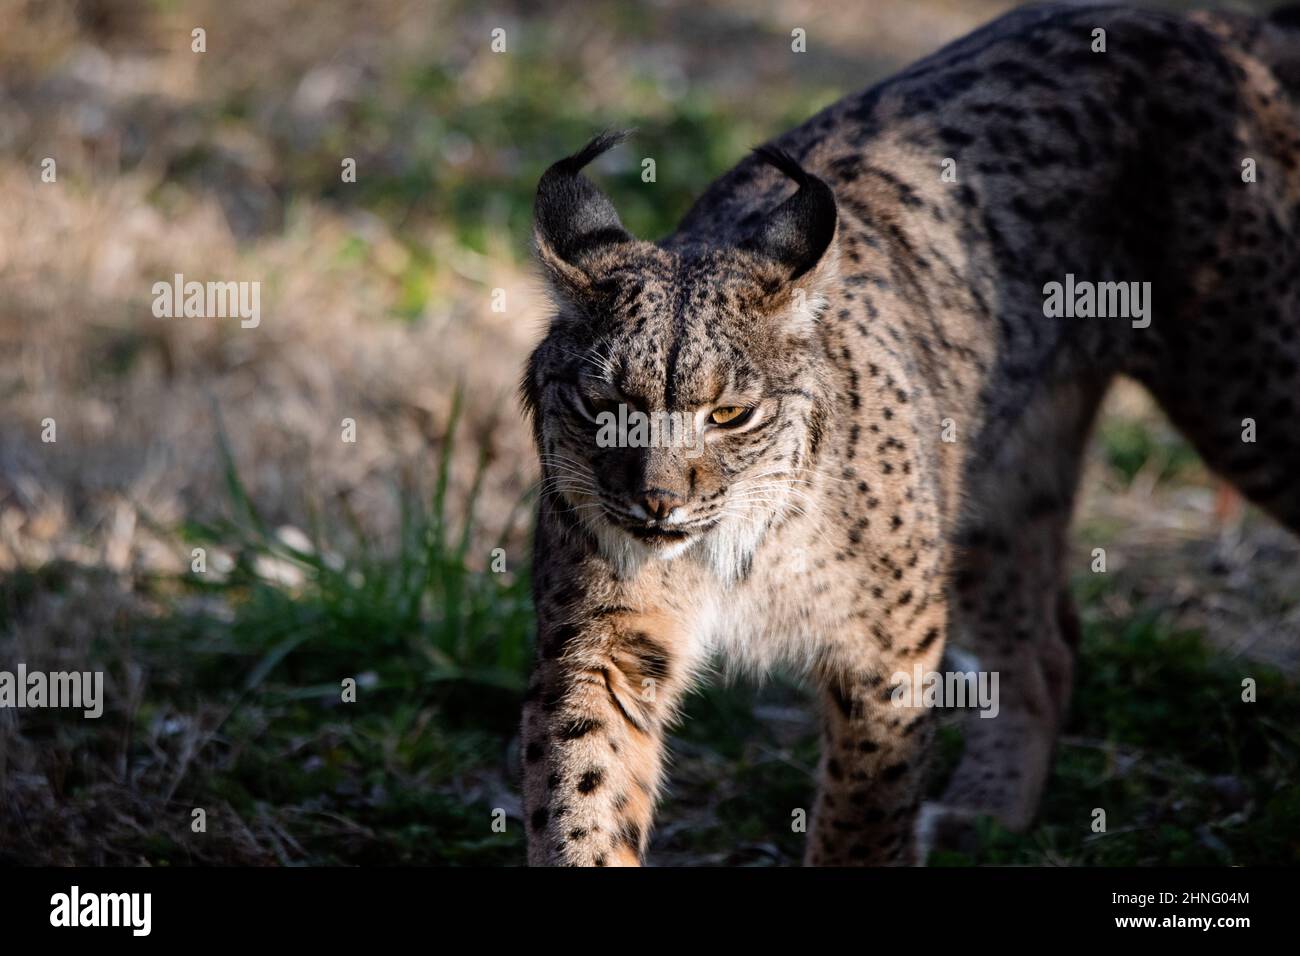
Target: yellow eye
{"type": "Point", "coordinates": [729, 415]}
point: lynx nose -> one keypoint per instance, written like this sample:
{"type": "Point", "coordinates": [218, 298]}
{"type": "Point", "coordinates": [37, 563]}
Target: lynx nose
{"type": "Point", "coordinates": [659, 503]}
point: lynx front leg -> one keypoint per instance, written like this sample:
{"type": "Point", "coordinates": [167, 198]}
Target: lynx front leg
{"type": "Point", "coordinates": [875, 752]}
{"type": "Point", "coordinates": [1024, 629]}
{"type": "Point", "coordinates": [1013, 612]}
{"type": "Point", "coordinates": [594, 720]}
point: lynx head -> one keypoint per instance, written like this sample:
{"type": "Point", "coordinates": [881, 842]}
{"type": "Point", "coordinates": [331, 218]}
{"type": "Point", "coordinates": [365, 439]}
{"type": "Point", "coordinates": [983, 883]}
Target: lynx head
{"type": "Point", "coordinates": [679, 396]}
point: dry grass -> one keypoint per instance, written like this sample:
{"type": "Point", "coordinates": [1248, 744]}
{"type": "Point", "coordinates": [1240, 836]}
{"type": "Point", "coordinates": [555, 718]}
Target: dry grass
{"type": "Point", "coordinates": [134, 397]}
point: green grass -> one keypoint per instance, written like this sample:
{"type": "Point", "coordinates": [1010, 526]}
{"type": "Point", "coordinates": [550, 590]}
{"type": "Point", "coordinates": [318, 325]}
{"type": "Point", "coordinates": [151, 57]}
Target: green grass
{"type": "Point", "coordinates": [413, 769]}
{"type": "Point", "coordinates": [419, 612]}
{"type": "Point", "coordinates": [1159, 738]}
{"type": "Point", "coordinates": [1130, 446]}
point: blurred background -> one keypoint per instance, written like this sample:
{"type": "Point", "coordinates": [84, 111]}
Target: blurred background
{"type": "Point", "coordinates": [373, 560]}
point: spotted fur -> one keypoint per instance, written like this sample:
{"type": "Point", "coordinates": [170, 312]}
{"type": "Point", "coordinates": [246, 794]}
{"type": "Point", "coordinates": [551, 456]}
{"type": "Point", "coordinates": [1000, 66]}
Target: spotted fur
{"type": "Point", "coordinates": [859, 304]}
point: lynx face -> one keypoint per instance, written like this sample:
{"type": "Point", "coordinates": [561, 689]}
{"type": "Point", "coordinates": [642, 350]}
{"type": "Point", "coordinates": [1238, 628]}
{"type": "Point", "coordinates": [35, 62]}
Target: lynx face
{"type": "Point", "coordinates": [678, 393]}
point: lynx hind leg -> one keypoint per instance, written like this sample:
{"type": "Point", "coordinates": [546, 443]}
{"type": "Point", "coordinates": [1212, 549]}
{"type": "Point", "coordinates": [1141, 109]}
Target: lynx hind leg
{"type": "Point", "coordinates": [1238, 402]}
{"type": "Point", "coordinates": [1226, 368]}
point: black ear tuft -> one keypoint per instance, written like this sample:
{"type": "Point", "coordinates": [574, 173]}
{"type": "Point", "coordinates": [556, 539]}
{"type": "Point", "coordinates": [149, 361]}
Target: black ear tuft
{"type": "Point", "coordinates": [798, 232]}
{"type": "Point", "coordinates": [778, 158]}
{"type": "Point", "coordinates": [571, 215]}
{"type": "Point", "coordinates": [603, 143]}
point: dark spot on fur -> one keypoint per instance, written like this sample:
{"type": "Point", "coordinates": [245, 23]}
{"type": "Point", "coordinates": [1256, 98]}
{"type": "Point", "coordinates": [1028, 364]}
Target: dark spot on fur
{"type": "Point", "coordinates": [591, 780]}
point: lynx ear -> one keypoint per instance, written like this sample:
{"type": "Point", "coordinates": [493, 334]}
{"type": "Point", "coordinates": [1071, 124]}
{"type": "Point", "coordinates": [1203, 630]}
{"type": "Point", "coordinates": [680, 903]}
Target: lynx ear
{"type": "Point", "coordinates": [796, 234]}
{"type": "Point", "coordinates": [573, 220]}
